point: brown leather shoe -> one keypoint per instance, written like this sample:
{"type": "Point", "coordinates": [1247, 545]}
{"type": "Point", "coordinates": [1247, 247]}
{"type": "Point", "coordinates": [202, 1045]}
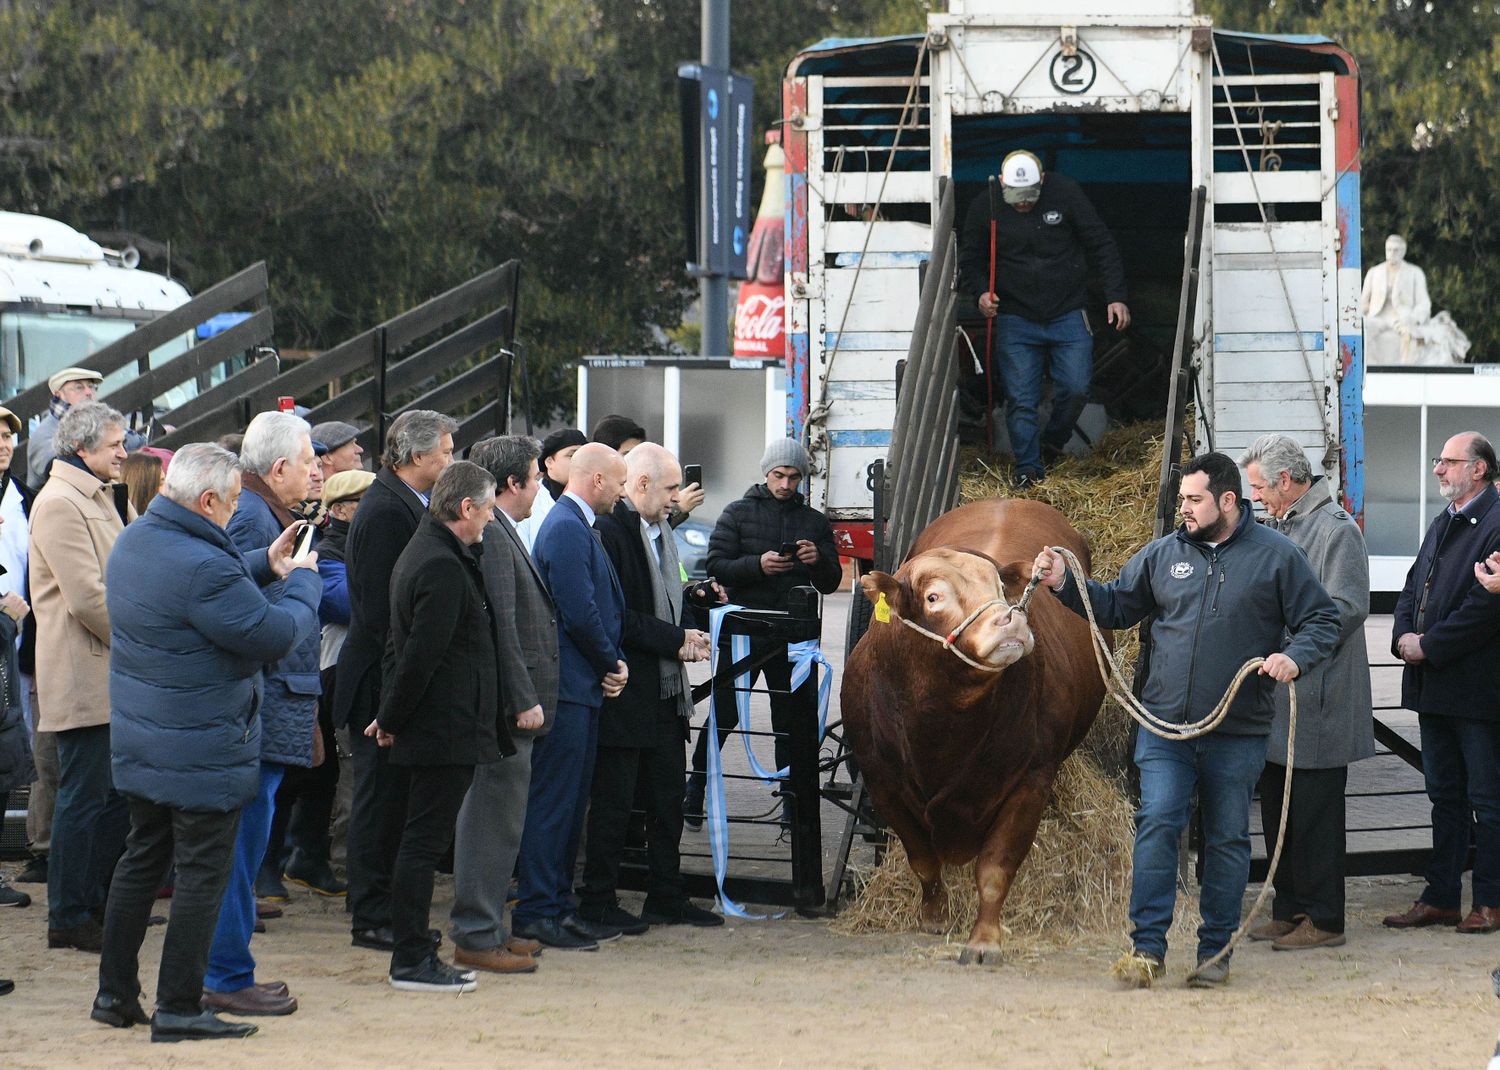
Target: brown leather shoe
{"type": "Point", "coordinates": [264, 908]}
{"type": "Point", "coordinates": [521, 945]}
{"type": "Point", "coordinates": [1420, 916]}
{"type": "Point", "coordinates": [1307, 936]}
{"type": "Point", "coordinates": [275, 987]}
{"type": "Point", "coordinates": [494, 960]}
{"type": "Point", "coordinates": [1272, 930]}
{"type": "Point", "coordinates": [1481, 920]}
{"type": "Point", "coordinates": [252, 1002]}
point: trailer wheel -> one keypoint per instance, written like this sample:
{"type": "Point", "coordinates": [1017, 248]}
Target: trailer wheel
{"type": "Point", "coordinates": [860, 611]}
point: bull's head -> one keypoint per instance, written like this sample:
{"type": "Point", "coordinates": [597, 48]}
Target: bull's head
{"type": "Point", "coordinates": [937, 591]}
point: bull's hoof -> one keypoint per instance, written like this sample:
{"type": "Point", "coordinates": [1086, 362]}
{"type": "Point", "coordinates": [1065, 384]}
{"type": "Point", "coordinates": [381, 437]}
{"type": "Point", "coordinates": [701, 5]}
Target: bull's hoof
{"type": "Point", "coordinates": [980, 955]}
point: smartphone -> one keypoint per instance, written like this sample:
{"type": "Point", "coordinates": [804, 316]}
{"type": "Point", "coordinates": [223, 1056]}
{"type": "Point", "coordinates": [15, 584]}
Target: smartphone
{"type": "Point", "coordinates": [303, 542]}
{"type": "Point", "coordinates": [692, 473]}
{"type": "Point", "coordinates": [788, 549]}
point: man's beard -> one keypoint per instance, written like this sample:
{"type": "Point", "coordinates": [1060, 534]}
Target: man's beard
{"type": "Point", "coordinates": [1213, 533]}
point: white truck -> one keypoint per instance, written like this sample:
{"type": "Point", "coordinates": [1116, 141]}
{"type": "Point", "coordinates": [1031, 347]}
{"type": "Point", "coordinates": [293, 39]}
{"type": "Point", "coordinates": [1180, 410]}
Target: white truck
{"type": "Point", "coordinates": [1140, 101]}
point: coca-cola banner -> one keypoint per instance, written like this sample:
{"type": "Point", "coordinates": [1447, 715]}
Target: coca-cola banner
{"type": "Point", "coordinates": [760, 316]}
{"type": "Point", "coordinates": [760, 321]}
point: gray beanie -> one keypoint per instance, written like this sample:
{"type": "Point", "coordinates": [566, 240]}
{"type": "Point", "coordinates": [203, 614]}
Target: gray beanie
{"type": "Point", "coordinates": [788, 453]}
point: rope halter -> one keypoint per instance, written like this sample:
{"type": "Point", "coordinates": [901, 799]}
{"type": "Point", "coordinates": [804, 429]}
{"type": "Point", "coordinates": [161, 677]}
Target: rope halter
{"type": "Point", "coordinates": [948, 641]}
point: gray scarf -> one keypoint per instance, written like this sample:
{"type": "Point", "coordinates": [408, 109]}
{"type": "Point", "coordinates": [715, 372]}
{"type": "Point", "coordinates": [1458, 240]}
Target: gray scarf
{"type": "Point", "coordinates": [667, 593]}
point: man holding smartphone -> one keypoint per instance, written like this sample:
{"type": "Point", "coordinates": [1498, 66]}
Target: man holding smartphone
{"type": "Point", "coordinates": [765, 544]}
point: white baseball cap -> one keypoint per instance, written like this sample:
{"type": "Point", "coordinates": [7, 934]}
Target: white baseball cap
{"type": "Point", "coordinates": [1021, 176]}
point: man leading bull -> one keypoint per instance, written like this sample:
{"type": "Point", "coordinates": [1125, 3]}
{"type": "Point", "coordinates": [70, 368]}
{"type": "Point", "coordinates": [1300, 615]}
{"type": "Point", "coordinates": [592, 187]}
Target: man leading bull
{"type": "Point", "coordinates": [1221, 590]}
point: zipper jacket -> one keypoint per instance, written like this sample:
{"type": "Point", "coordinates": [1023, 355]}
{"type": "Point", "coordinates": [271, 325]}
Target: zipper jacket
{"type": "Point", "coordinates": [1212, 609]}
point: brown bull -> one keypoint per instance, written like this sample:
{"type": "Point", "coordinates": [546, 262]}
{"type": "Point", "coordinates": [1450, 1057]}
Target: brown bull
{"type": "Point", "coordinates": [958, 759]}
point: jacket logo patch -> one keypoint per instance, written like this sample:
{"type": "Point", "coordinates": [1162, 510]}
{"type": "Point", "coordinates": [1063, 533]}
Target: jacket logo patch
{"type": "Point", "coordinates": [1182, 570]}
{"type": "Point", "coordinates": [1052, 218]}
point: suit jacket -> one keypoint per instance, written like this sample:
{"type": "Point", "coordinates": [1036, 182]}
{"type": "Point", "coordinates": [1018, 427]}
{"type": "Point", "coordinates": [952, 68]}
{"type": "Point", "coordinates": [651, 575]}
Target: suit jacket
{"type": "Point", "coordinates": [630, 720]}
{"type": "Point", "coordinates": [440, 684]}
{"type": "Point", "coordinates": [589, 602]}
{"type": "Point", "coordinates": [1460, 627]}
{"type": "Point", "coordinates": [383, 524]}
{"type": "Point", "coordinates": [74, 524]}
{"type": "Point", "coordinates": [525, 626]}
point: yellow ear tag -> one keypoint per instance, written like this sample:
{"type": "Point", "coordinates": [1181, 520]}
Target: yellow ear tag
{"type": "Point", "coordinates": [882, 609]}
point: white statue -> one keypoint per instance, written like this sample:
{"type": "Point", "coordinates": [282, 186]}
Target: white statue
{"type": "Point", "coordinates": [1399, 325]}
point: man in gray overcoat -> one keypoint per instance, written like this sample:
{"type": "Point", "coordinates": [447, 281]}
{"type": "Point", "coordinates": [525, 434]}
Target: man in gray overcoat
{"type": "Point", "coordinates": [1334, 720]}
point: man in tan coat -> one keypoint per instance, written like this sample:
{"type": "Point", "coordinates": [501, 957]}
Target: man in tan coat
{"type": "Point", "coordinates": [74, 523]}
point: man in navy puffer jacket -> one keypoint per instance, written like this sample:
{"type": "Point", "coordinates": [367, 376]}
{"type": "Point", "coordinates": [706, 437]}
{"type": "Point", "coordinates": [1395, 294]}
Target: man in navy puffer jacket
{"type": "Point", "coordinates": [278, 458]}
{"type": "Point", "coordinates": [190, 631]}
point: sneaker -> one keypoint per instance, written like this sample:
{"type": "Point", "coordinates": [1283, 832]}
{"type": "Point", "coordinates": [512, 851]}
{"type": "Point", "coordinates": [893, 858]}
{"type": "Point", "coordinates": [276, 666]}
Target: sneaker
{"type": "Point", "coordinates": [1307, 936]}
{"type": "Point", "coordinates": [1025, 480]}
{"type": "Point", "coordinates": [35, 871]}
{"type": "Point", "coordinates": [614, 917]}
{"type": "Point", "coordinates": [315, 875]}
{"type": "Point", "coordinates": [9, 897]}
{"type": "Point", "coordinates": [434, 975]}
{"type": "Point", "coordinates": [549, 932]}
{"type": "Point", "coordinates": [1274, 929]}
{"type": "Point", "coordinates": [692, 805]}
{"type": "Point", "coordinates": [682, 912]}
{"type": "Point", "coordinates": [268, 885]}
{"type": "Point", "coordinates": [590, 930]}
{"type": "Point", "coordinates": [1205, 976]}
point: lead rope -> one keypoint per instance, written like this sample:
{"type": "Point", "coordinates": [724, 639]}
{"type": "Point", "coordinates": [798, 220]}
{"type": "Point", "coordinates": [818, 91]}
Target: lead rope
{"type": "Point", "coordinates": [1114, 683]}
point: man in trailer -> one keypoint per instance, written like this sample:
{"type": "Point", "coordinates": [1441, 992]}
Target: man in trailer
{"type": "Point", "coordinates": [1025, 261]}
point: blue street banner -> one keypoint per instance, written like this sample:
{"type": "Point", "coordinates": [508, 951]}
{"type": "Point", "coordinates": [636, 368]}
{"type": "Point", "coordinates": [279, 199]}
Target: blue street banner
{"type": "Point", "coordinates": [716, 116]}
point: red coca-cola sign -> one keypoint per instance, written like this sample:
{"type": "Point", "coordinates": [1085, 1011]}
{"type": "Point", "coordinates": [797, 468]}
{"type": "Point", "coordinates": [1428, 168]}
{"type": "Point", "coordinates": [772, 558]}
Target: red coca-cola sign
{"type": "Point", "coordinates": [760, 315]}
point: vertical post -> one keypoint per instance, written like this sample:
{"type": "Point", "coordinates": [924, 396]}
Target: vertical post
{"type": "Point", "coordinates": [671, 409]}
{"type": "Point", "coordinates": [714, 289]}
{"type": "Point", "coordinates": [380, 399]}
{"type": "Point", "coordinates": [582, 415]}
{"type": "Point", "coordinates": [801, 790]}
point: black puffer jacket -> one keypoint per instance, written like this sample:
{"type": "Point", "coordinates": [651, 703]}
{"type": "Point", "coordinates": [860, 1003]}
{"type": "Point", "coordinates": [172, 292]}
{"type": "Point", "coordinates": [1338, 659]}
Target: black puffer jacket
{"type": "Point", "coordinates": [756, 523]}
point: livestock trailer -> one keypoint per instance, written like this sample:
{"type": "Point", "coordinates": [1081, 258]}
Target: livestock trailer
{"type": "Point", "coordinates": [1143, 102]}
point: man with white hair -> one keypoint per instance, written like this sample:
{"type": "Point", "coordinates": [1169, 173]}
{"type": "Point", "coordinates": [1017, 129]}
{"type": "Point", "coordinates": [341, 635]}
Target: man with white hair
{"type": "Point", "coordinates": [1335, 727]}
{"type": "Point", "coordinates": [278, 459]}
{"type": "Point", "coordinates": [185, 677]}
{"type": "Point", "coordinates": [74, 523]}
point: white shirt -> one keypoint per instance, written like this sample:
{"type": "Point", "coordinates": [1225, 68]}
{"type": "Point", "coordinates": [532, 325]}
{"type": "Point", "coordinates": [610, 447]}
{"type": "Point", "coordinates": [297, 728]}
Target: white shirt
{"type": "Point", "coordinates": [528, 528]}
{"type": "Point", "coordinates": [13, 541]}
{"type": "Point", "coordinates": [589, 516]}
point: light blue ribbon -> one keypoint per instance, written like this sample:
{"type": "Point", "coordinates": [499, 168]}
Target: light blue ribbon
{"type": "Point", "coordinates": [803, 657]}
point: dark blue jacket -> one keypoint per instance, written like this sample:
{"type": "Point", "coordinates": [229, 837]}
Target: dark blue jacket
{"type": "Point", "coordinates": [190, 629]}
{"type": "Point", "coordinates": [1215, 608]}
{"type": "Point", "coordinates": [1460, 624]}
{"type": "Point", "coordinates": [334, 609]}
{"type": "Point", "coordinates": [590, 605]}
{"type": "Point", "coordinates": [288, 711]}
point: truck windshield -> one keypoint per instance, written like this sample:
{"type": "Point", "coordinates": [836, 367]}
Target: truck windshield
{"type": "Point", "coordinates": [33, 345]}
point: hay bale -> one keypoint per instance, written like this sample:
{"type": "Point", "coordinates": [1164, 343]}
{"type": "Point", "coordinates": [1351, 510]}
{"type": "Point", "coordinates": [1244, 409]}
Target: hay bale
{"type": "Point", "coordinates": [1074, 885]}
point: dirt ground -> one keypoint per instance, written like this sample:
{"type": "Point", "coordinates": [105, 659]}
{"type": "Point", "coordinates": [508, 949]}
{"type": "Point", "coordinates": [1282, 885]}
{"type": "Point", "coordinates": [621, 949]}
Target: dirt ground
{"type": "Point", "coordinates": [794, 993]}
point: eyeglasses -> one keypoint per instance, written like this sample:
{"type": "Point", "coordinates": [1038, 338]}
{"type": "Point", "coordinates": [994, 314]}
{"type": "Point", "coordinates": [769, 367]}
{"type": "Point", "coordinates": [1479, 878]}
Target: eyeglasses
{"type": "Point", "coordinates": [1452, 462]}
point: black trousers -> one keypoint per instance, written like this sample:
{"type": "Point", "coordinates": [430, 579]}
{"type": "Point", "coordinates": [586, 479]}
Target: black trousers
{"type": "Point", "coordinates": [657, 772]}
{"type": "Point", "coordinates": [201, 845]}
{"type": "Point", "coordinates": [377, 814]}
{"type": "Point", "coordinates": [304, 802]}
{"type": "Point", "coordinates": [435, 795]}
{"type": "Point", "coordinates": [778, 676]}
{"type": "Point", "coordinates": [1310, 876]}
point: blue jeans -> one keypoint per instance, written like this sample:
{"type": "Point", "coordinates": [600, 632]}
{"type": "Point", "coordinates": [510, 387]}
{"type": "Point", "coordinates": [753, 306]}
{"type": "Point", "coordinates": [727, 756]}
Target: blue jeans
{"type": "Point", "coordinates": [1063, 348]}
{"type": "Point", "coordinates": [1461, 764]}
{"type": "Point", "coordinates": [1224, 769]}
{"type": "Point", "coordinates": [562, 771]}
{"type": "Point", "coordinates": [231, 967]}
{"type": "Point", "coordinates": [89, 824]}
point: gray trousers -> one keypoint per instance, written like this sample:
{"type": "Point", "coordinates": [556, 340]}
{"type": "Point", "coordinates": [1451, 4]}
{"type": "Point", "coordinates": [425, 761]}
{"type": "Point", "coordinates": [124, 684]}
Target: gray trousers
{"type": "Point", "coordinates": [485, 847]}
{"type": "Point", "coordinates": [43, 788]}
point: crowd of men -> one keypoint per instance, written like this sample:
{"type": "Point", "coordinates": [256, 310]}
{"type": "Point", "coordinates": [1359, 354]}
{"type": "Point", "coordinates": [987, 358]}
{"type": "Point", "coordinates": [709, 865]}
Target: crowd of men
{"type": "Point", "coordinates": [501, 683]}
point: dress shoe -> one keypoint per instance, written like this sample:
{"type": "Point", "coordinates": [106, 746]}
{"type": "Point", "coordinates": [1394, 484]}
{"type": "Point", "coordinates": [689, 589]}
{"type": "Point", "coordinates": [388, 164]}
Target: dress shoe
{"type": "Point", "coordinates": [550, 932]}
{"type": "Point", "coordinates": [1274, 929]}
{"type": "Point", "coordinates": [86, 937]}
{"type": "Point", "coordinates": [681, 912]}
{"type": "Point", "coordinates": [275, 987]}
{"type": "Point", "coordinates": [120, 1013]}
{"type": "Point", "coordinates": [1481, 920]}
{"type": "Point", "coordinates": [494, 960]}
{"type": "Point", "coordinates": [316, 875]}
{"type": "Point", "coordinates": [1307, 936]}
{"type": "Point", "coordinates": [268, 885]}
{"type": "Point", "coordinates": [264, 909]}
{"type": "Point", "coordinates": [1419, 916]}
{"type": "Point", "coordinates": [7, 986]}
{"type": "Point", "coordinates": [383, 939]}
{"type": "Point", "coordinates": [251, 1002]}
{"type": "Point", "coordinates": [259, 926]}
{"type": "Point", "coordinates": [519, 945]}
{"type": "Point", "coordinates": [590, 930]}
{"type": "Point", "coordinates": [35, 871]}
{"type": "Point", "coordinates": [614, 917]}
{"type": "Point", "coordinates": [170, 1028]}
